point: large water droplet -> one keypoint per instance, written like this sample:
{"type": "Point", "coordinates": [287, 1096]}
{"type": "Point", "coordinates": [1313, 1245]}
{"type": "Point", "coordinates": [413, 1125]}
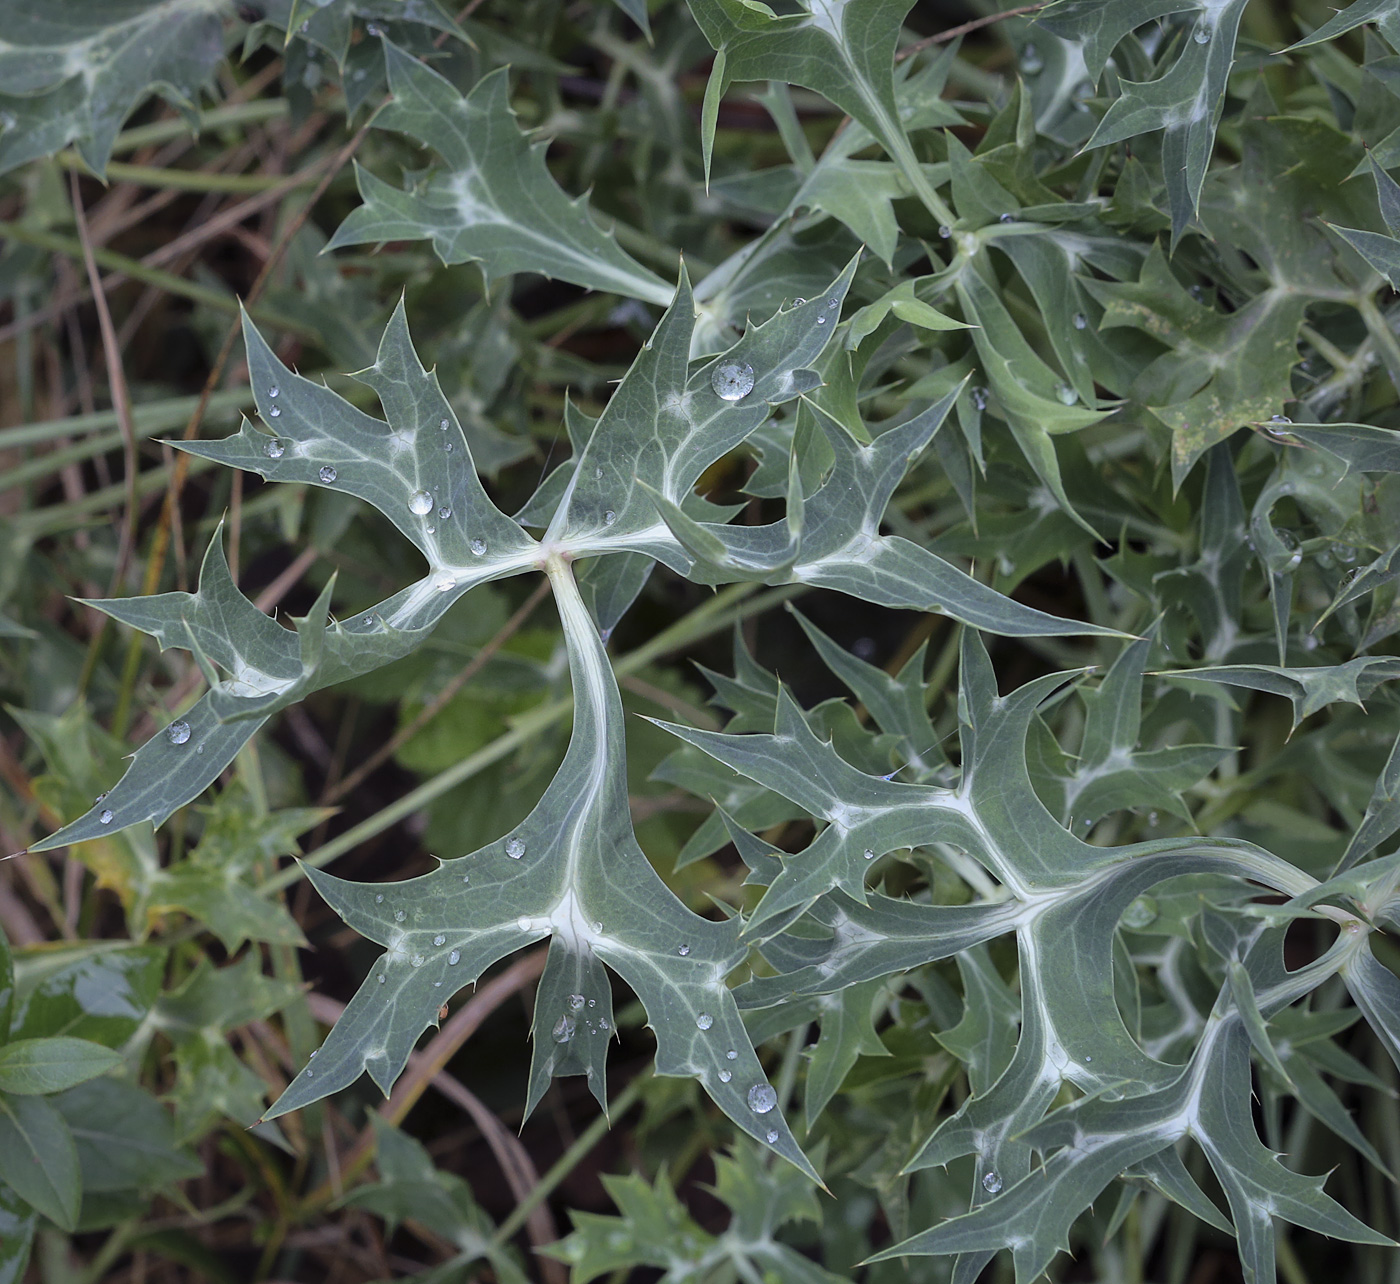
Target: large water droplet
{"type": "Point", "coordinates": [991, 1181]}
{"type": "Point", "coordinates": [576, 1002]}
{"type": "Point", "coordinates": [762, 1098]}
{"type": "Point", "coordinates": [478, 547]}
{"type": "Point", "coordinates": [563, 1029]}
{"type": "Point", "coordinates": [515, 848]}
{"type": "Point", "coordinates": [523, 923]}
{"type": "Point", "coordinates": [273, 448]}
{"type": "Point", "coordinates": [1202, 34]}
{"type": "Point", "coordinates": [420, 503]}
{"type": "Point", "coordinates": [704, 1021]}
{"type": "Point", "coordinates": [732, 380]}
{"type": "Point", "coordinates": [178, 733]}
{"type": "Point", "coordinates": [1066, 395]}
{"type": "Point", "coordinates": [821, 318]}
{"type": "Point", "coordinates": [328, 474]}
{"type": "Point", "coordinates": [454, 958]}
{"type": "Point", "coordinates": [105, 818]}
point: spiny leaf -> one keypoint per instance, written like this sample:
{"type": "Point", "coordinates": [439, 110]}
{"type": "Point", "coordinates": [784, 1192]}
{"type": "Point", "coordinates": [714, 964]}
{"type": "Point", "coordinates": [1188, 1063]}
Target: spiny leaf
{"type": "Point", "coordinates": [495, 202]}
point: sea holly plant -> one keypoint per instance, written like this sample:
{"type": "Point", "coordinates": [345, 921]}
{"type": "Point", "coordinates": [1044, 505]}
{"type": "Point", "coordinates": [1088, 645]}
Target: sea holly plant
{"type": "Point", "coordinates": [1026, 395]}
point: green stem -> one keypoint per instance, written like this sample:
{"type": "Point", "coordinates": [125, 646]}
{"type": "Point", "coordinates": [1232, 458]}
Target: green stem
{"type": "Point", "coordinates": [188, 180]}
{"type": "Point", "coordinates": [163, 131]}
{"type": "Point", "coordinates": [569, 1160]}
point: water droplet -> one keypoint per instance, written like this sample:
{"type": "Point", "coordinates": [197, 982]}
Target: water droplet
{"type": "Point", "coordinates": [563, 1029]}
{"type": "Point", "coordinates": [382, 978]}
{"type": "Point", "coordinates": [1081, 322]}
{"type": "Point", "coordinates": [523, 923]}
{"type": "Point", "coordinates": [1031, 61]}
{"type": "Point", "coordinates": [372, 28]}
{"type": "Point", "coordinates": [1087, 1059]}
{"type": "Point", "coordinates": [609, 517]}
{"type": "Point", "coordinates": [945, 231]}
{"type": "Point", "coordinates": [1280, 419]}
{"type": "Point", "coordinates": [310, 1073]}
{"type": "Point", "coordinates": [731, 1054]}
{"type": "Point", "coordinates": [416, 960]}
{"type": "Point", "coordinates": [379, 899]}
{"type": "Point", "coordinates": [833, 303]}
{"type": "Point", "coordinates": [274, 391]}
{"type": "Point", "coordinates": [447, 446]}
{"type": "Point", "coordinates": [99, 797]}
{"type": "Point", "coordinates": [772, 1136]}
{"type": "Point", "coordinates": [328, 474]}
{"type": "Point", "coordinates": [979, 398]}
{"type": "Point", "coordinates": [732, 381]}
{"type": "Point", "coordinates": [869, 853]}
{"type": "Point", "coordinates": [454, 958]}
{"type": "Point", "coordinates": [762, 1098]}
{"type": "Point", "coordinates": [443, 425]}
{"type": "Point", "coordinates": [592, 1003]}
{"type": "Point", "coordinates": [273, 448]}
{"type": "Point", "coordinates": [275, 412]}
{"type": "Point", "coordinates": [991, 1181]}
{"type": "Point", "coordinates": [683, 951]}
{"type": "Point", "coordinates": [603, 1023]}
{"type": "Point", "coordinates": [466, 878]}
{"type": "Point", "coordinates": [725, 1076]}
{"type": "Point", "coordinates": [576, 1002]}
{"type": "Point", "coordinates": [515, 848]}
{"type": "Point", "coordinates": [399, 916]}
{"type": "Point", "coordinates": [420, 503]}
{"type": "Point", "coordinates": [105, 818]}
{"type": "Point", "coordinates": [478, 547]}
{"type": "Point", "coordinates": [1004, 217]}
{"type": "Point", "coordinates": [430, 528]}
{"type": "Point", "coordinates": [178, 733]}
{"type": "Point", "coordinates": [704, 1021]}
{"type": "Point", "coordinates": [1066, 395]}
{"type": "Point", "coordinates": [314, 1051]}
{"type": "Point", "coordinates": [597, 927]}
{"type": "Point", "coordinates": [445, 583]}
{"type": "Point", "coordinates": [598, 474]}
{"type": "Point", "coordinates": [1152, 820]}
{"type": "Point", "coordinates": [821, 319]}
{"type": "Point", "coordinates": [1202, 34]}
{"type": "Point", "coordinates": [439, 939]}
{"type": "Point", "coordinates": [444, 512]}
{"type": "Point", "coordinates": [797, 303]}
{"type": "Point", "coordinates": [1345, 554]}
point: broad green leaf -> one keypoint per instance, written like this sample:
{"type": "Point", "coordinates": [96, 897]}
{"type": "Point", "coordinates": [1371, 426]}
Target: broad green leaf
{"type": "Point", "coordinates": [125, 1138]}
{"type": "Point", "coordinates": [38, 1158]}
{"type": "Point", "coordinates": [100, 991]}
{"type": "Point", "coordinates": [73, 72]}
{"type": "Point", "coordinates": [494, 203]}
{"type": "Point", "coordinates": [30, 1067]}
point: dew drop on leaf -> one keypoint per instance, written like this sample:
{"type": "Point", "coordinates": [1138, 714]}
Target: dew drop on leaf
{"type": "Point", "coordinates": [515, 848]}
{"type": "Point", "coordinates": [869, 853]}
{"type": "Point", "coordinates": [439, 939]}
{"type": "Point", "coordinates": [991, 1181]}
{"type": "Point", "coordinates": [731, 1054]}
{"type": "Point", "coordinates": [274, 391]}
{"type": "Point", "coordinates": [1081, 322]}
{"type": "Point", "coordinates": [979, 398]}
{"type": "Point", "coordinates": [382, 978]}
{"type": "Point", "coordinates": [945, 231]}
{"type": "Point", "coordinates": [445, 584]}
{"type": "Point", "coordinates": [273, 448]}
{"type": "Point", "coordinates": [417, 960]}
{"type": "Point", "coordinates": [178, 733]}
{"type": "Point", "coordinates": [399, 916]}
{"type": "Point", "coordinates": [732, 380]}
{"type": "Point", "coordinates": [563, 1029]}
{"type": "Point", "coordinates": [1004, 217]}
{"type": "Point", "coordinates": [379, 900]}
{"type": "Point", "coordinates": [105, 818]}
{"type": "Point", "coordinates": [443, 425]}
{"type": "Point", "coordinates": [454, 958]}
{"type": "Point", "coordinates": [683, 951]}
{"type": "Point", "coordinates": [328, 474]}
{"type": "Point", "coordinates": [609, 517]}
{"type": "Point", "coordinates": [575, 1003]}
{"type": "Point", "coordinates": [275, 412]}
{"type": "Point", "coordinates": [725, 1076]}
{"type": "Point", "coordinates": [420, 503]}
{"type": "Point", "coordinates": [772, 1136]}
{"type": "Point", "coordinates": [1066, 395]}
{"type": "Point", "coordinates": [444, 512]}
{"type": "Point", "coordinates": [1201, 35]}
{"type": "Point", "coordinates": [762, 1098]}
{"type": "Point", "coordinates": [447, 446]}
{"type": "Point", "coordinates": [478, 547]}
{"type": "Point", "coordinates": [523, 923]}
{"type": "Point", "coordinates": [704, 1021]}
